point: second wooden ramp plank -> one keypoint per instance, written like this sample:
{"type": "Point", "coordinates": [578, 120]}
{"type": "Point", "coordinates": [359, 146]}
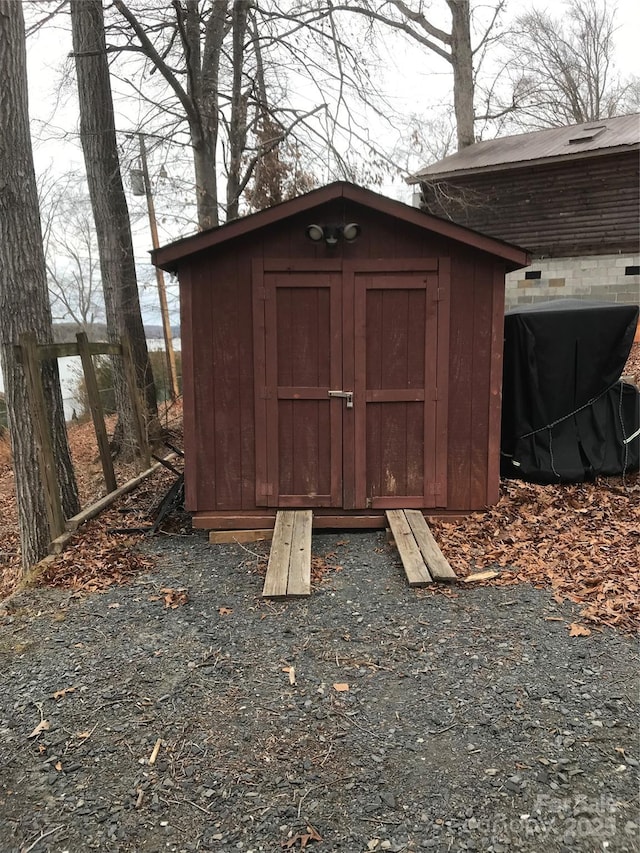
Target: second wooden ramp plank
{"type": "Point", "coordinates": [300, 563]}
{"type": "Point", "coordinates": [433, 556]}
{"type": "Point", "coordinates": [414, 565]}
{"type": "Point", "coordinates": [277, 578]}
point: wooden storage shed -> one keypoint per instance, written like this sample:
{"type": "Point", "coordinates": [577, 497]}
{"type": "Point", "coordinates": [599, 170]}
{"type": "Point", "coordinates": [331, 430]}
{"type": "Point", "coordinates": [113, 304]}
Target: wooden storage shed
{"type": "Point", "coordinates": [351, 373]}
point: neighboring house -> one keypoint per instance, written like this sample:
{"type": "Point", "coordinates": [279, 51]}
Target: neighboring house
{"type": "Point", "coordinates": [569, 195]}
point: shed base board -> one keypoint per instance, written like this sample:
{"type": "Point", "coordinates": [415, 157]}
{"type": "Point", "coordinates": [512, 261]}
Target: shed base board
{"type": "Point", "coordinates": [355, 520]}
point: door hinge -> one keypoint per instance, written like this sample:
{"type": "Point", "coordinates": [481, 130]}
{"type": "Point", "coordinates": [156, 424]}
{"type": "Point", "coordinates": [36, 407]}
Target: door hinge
{"type": "Point", "coordinates": [265, 489]}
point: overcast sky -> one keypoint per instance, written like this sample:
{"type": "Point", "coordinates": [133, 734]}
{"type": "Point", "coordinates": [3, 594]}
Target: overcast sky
{"type": "Point", "coordinates": [54, 111]}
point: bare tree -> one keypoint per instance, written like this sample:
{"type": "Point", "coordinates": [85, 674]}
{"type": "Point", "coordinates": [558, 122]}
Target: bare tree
{"type": "Point", "coordinates": [425, 140]}
{"type": "Point", "coordinates": [24, 305]}
{"type": "Point", "coordinates": [71, 251]}
{"type": "Point", "coordinates": [562, 68]}
{"type": "Point", "coordinates": [453, 45]}
{"type": "Point", "coordinates": [230, 70]}
{"type": "Point", "coordinates": [111, 215]}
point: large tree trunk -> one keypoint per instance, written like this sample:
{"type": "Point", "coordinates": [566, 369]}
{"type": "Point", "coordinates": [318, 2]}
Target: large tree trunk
{"type": "Point", "coordinates": [204, 144]}
{"type": "Point", "coordinates": [203, 76]}
{"type": "Point", "coordinates": [462, 65]}
{"type": "Point", "coordinates": [24, 304]}
{"type": "Point", "coordinates": [238, 120]}
{"type": "Point", "coordinates": [99, 145]}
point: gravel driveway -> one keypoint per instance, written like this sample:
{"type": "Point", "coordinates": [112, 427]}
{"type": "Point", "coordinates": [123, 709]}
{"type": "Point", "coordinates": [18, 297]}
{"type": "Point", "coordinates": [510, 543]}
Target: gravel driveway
{"type": "Point", "coordinates": [472, 720]}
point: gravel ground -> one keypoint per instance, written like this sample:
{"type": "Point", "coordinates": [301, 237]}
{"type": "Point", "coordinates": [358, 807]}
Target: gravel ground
{"type": "Point", "coordinates": [472, 720]}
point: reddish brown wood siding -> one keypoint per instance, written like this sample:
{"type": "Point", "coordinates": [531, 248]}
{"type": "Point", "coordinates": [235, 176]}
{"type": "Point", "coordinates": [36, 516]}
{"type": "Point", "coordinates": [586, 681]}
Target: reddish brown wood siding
{"type": "Point", "coordinates": [222, 343]}
{"type": "Point", "coordinates": [569, 208]}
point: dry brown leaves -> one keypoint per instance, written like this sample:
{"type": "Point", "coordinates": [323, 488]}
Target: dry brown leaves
{"type": "Point", "coordinates": [301, 838]}
{"type": "Point", "coordinates": [324, 564]}
{"type": "Point", "coordinates": [581, 540]}
{"type": "Point", "coordinates": [173, 598]}
{"type": "Point", "coordinates": [94, 561]}
{"type": "Point", "coordinates": [95, 558]}
{"type": "Point", "coordinates": [632, 367]}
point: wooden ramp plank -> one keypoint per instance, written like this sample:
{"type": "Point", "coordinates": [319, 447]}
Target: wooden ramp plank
{"type": "Point", "coordinates": [300, 563]}
{"type": "Point", "coordinates": [226, 537]}
{"type": "Point", "coordinates": [434, 558]}
{"type": "Point", "coordinates": [276, 580]}
{"type": "Point", "coordinates": [414, 565]}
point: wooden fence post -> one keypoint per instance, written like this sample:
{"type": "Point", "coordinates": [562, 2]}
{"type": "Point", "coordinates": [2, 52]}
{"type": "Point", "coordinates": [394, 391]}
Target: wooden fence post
{"type": "Point", "coordinates": [97, 412]}
{"type": "Point", "coordinates": [46, 458]}
{"type": "Point", "coordinates": [139, 423]}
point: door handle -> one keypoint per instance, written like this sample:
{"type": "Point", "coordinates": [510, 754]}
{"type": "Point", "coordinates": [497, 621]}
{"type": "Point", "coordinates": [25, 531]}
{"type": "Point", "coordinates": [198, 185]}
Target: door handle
{"type": "Point", "coordinates": [347, 395]}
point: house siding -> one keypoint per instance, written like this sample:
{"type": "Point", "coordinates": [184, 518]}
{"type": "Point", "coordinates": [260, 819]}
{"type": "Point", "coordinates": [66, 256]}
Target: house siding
{"type": "Point", "coordinates": [563, 210]}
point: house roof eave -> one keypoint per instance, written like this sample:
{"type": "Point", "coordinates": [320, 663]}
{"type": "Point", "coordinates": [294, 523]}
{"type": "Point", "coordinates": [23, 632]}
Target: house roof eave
{"type": "Point", "coordinates": [427, 176]}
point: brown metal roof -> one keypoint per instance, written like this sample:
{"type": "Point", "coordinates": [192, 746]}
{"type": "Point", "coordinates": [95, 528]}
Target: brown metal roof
{"type": "Point", "coordinates": [592, 139]}
{"type": "Point", "coordinates": [170, 256]}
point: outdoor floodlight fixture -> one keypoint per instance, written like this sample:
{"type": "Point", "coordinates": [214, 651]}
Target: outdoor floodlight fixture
{"type": "Point", "coordinates": [315, 233]}
{"type": "Point", "coordinates": [351, 231]}
{"type": "Point", "coordinates": [332, 233]}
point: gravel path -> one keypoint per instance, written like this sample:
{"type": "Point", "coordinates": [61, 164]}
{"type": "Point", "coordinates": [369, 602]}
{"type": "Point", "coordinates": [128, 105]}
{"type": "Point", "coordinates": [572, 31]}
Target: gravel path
{"type": "Point", "coordinates": [472, 721]}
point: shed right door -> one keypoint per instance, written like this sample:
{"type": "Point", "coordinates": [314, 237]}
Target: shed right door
{"type": "Point", "coordinates": [400, 357]}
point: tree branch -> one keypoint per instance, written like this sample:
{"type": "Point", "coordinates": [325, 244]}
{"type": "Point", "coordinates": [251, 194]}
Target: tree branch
{"type": "Point", "coordinates": [157, 60]}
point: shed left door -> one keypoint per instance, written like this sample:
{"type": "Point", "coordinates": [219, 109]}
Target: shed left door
{"type": "Point", "coordinates": [298, 360]}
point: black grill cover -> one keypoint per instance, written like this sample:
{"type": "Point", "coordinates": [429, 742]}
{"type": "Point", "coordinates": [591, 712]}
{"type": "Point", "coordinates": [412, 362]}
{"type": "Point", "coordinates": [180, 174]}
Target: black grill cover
{"type": "Point", "coordinates": [565, 413]}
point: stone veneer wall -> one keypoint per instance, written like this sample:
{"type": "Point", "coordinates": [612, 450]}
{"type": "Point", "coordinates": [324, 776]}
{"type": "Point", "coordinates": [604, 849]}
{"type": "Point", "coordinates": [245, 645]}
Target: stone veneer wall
{"type": "Point", "coordinates": [599, 277]}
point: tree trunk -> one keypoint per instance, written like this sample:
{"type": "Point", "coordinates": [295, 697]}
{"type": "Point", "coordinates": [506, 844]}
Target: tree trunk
{"type": "Point", "coordinates": [204, 145]}
{"type": "Point", "coordinates": [24, 304]}
{"type": "Point", "coordinates": [111, 215]}
{"type": "Point", "coordinates": [203, 67]}
{"type": "Point", "coordinates": [238, 120]}
{"type": "Point", "coordinates": [462, 65]}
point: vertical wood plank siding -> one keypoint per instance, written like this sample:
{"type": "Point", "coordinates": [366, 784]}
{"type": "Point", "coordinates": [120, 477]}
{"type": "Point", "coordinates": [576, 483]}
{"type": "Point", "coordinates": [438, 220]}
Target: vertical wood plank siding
{"type": "Point", "coordinates": [221, 404]}
{"type": "Point", "coordinates": [582, 207]}
{"type": "Point", "coordinates": [188, 392]}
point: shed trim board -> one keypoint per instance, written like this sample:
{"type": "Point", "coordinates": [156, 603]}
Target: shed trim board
{"type": "Point", "coordinates": [341, 328]}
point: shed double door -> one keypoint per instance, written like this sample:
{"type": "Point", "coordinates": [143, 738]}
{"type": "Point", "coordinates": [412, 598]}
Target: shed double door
{"type": "Point", "coordinates": [350, 362]}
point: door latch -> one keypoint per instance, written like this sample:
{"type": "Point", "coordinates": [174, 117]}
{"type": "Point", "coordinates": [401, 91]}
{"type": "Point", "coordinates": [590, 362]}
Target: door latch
{"type": "Point", "coordinates": [347, 395]}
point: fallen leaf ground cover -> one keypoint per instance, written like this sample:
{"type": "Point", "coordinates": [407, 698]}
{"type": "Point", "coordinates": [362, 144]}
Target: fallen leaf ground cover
{"type": "Point", "coordinates": [582, 541]}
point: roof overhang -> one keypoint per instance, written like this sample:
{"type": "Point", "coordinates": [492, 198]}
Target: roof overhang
{"type": "Point", "coordinates": [171, 256]}
{"type": "Point", "coordinates": [432, 174]}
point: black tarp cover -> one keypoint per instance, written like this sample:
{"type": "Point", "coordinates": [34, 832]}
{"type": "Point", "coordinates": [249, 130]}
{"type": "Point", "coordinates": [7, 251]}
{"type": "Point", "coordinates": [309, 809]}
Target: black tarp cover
{"type": "Point", "coordinates": [566, 416]}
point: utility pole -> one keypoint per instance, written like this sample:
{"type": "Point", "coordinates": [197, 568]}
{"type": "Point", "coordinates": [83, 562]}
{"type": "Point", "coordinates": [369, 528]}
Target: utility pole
{"type": "Point", "coordinates": [162, 290]}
